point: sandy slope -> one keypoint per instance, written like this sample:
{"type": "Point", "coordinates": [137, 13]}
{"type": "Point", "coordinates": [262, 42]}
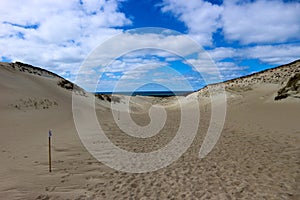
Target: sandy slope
{"type": "Point", "coordinates": [257, 156]}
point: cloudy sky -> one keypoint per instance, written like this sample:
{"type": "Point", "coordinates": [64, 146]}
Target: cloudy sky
{"type": "Point", "coordinates": [241, 37]}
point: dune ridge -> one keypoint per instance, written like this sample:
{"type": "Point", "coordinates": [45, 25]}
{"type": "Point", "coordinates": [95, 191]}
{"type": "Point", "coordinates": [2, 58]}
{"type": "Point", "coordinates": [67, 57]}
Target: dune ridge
{"type": "Point", "coordinates": [277, 75]}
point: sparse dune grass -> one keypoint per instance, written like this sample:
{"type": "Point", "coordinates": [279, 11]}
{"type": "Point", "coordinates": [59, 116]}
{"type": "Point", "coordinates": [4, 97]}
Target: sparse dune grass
{"type": "Point", "coordinates": [33, 103]}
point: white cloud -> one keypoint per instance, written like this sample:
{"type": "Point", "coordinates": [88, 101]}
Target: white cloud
{"type": "Point", "coordinates": [200, 17]}
{"type": "Point", "coordinates": [154, 53]}
{"type": "Point", "coordinates": [134, 66]}
{"type": "Point", "coordinates": [261, 21]}
{"type": "Point", "coordinates": [217, 71]}
{"type": "Point", "coordinates": [272, 54]}
{"type": "Point", "coordinates": [221, 53]}
{"type": "Point", "coordinates": [54, 33]}
{"type": "Point", "coordinates": [140, 44]}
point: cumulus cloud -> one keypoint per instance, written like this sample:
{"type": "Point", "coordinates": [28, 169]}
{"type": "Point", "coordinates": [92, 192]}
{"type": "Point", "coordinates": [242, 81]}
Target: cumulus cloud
{"type": "Point", "coordinates": [217, 71]}
{"type": "Point", "coordinates": [221, 53]}
{"type": "Point", "coordinates": [272, 54]}
{"type": "Point", "coordinates": [200, 17]}
{"type": "Point", "coordinates": [143, 45]}
{"type": "Point", "coordinates": [56, 34]}
{"type": "Point", "coordinates": [136, 65]}
{"type": "Point", "coordinates": [261, 21]}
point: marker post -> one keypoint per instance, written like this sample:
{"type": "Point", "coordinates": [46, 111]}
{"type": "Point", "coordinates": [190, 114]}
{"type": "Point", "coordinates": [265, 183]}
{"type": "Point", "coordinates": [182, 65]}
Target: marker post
{"type": "Point", "coordinates": [49, 153]}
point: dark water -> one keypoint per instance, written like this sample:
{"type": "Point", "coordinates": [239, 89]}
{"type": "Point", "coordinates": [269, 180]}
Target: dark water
{"type": "Point", "coordinates": [151, 93]}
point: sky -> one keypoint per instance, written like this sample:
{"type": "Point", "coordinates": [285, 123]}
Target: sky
{"type": "Point", "coordinates": [240, 37]}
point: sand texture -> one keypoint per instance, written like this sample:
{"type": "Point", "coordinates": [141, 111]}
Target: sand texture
{"type": "Point", "coordinates": [256, 157]}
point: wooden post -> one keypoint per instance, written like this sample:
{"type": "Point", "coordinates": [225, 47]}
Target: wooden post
{"type": "Point", "coordinates": [49, 145]}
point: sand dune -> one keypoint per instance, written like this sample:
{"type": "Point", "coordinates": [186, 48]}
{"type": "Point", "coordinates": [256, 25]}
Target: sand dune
{"type": "Point", "coordinates": [256, 157]}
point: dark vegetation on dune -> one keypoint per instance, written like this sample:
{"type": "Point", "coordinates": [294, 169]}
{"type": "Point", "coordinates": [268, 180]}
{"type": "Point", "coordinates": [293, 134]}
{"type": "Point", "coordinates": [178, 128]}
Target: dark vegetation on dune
{"type": "Point", "coordinates": [292, 88]}
{"type": "Point", "coordinates": [33, 70]}
{"type": "Point", "coordinates": [34, 103]}
{"type": "Point", "coordinates": [64, 83]}
{"type": "Point", "coordinates": [109, 98]}
{"type": "Point", "coordinates": [70, 86]}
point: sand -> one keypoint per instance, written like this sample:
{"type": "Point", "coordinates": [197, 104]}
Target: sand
{"type": "Point", "coordinates": [256, 157]}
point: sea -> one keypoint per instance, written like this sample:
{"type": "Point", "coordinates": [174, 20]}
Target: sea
{"type": "Point", "coordinates": [151, 93]}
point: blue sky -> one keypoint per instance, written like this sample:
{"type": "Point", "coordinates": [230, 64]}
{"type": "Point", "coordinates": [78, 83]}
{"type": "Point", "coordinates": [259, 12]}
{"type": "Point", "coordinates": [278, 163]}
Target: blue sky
{"type": "Point", "coordinates": [241, 37]}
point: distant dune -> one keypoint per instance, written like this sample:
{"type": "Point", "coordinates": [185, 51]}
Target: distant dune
{"type": "Point", "coordinates": [278, 75]}
{"type": "Point", "coordinates": [256, 157]}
